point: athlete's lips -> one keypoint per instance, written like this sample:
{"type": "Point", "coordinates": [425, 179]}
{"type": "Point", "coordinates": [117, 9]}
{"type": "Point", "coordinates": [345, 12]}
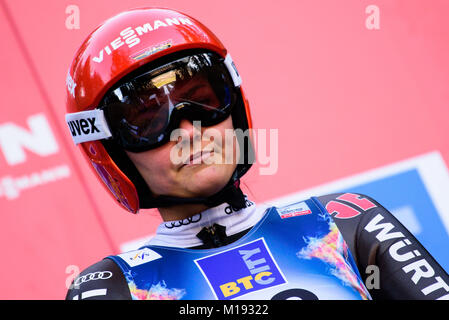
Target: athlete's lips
{"type": "Point", "coordinates": [198, 157]}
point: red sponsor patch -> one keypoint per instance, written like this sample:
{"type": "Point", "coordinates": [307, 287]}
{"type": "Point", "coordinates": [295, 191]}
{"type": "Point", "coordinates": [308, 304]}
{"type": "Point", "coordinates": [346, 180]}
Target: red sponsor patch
{"type": "Point", "coordinates": [295, 214]}
{"type": "Point", "coordinates": [343, 211]}
{"type": "Point", "coordinates": [294, 210]}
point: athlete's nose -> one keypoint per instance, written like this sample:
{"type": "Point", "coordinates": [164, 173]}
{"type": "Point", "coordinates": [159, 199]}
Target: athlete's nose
{"type": "Point", "coordinates": [192, 129]}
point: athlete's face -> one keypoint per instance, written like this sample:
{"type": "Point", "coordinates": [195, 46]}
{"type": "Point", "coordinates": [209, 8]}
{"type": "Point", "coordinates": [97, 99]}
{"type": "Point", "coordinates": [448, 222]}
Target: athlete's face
{"type": "Point", "coordinates": [188, 168]}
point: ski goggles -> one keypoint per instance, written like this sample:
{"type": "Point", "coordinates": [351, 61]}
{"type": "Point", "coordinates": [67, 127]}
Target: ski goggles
{"type": "Point", "coordinates": [140, 113]}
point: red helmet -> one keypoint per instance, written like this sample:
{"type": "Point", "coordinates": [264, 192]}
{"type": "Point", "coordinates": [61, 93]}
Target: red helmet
{"type": "Point", "coordinates": [117, 47]}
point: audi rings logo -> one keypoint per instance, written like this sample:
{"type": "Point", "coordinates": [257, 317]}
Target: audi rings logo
{"type": "Point", "coordinates": [99, 275]}
{"type": "Point", "coordinates": [189, 220]}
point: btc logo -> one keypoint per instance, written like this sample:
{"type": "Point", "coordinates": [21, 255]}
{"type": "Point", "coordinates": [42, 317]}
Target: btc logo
{"type": "Point", "coordinates": [253, 268]}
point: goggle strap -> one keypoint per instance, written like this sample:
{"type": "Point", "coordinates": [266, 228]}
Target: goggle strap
{"type": "Point", "coordinates": [88, 126]}
{"type": "Point", "coordinates": [233, 70]}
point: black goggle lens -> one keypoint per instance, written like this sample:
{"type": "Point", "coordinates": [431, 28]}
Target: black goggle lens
{"type": "Point", "coordinates": [143, 111]}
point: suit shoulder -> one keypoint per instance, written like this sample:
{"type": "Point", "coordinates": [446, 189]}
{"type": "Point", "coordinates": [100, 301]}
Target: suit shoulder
{"type": "Point", "coordinates": [354, 198]}
{"type": "Point", "coordinates": [102, 280]}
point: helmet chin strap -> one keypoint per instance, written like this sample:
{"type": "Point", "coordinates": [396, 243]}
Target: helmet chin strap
{"type": "Point", "coordinates": [231, 193]}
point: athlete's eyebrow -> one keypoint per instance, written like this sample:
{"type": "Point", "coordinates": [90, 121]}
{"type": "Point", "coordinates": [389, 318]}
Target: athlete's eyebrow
{"type": "Point", "coordinates": [192, 90]}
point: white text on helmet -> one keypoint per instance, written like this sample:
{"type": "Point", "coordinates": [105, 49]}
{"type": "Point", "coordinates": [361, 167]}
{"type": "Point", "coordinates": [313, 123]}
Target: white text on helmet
{"type": "Point", "coordinates": [130, 36]}
{"type": "Point", "coordinates": [70, 85]}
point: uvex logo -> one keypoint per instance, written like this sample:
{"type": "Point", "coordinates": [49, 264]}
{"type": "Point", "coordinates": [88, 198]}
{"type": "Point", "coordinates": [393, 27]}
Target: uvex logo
{"type": "Point", "coordinates": [88, 126]}
{"type": "Point", "coordinates": [83, 126]}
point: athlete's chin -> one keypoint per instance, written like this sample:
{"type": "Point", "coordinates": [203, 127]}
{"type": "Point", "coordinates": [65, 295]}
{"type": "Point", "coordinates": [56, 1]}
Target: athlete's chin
{"type": "Point", "coordinates": [207, 180]}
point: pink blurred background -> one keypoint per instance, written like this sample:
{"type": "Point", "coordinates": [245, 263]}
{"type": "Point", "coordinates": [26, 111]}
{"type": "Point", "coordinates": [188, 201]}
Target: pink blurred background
{"type": "Point", "coordinates": [345, 99]}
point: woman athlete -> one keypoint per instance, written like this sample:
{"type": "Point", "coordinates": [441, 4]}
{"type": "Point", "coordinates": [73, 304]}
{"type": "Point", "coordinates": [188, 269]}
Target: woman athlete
{"type": "Point", "coordinates": [152, 95]}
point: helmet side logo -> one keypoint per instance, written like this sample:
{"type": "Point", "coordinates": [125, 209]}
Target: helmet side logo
{"type": "Point", "coordinates": [70, 83]}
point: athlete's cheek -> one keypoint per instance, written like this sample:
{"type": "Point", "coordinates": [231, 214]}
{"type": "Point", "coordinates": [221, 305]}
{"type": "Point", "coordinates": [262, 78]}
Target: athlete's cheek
{"type": "Point", "coordinates": [152, 164]}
